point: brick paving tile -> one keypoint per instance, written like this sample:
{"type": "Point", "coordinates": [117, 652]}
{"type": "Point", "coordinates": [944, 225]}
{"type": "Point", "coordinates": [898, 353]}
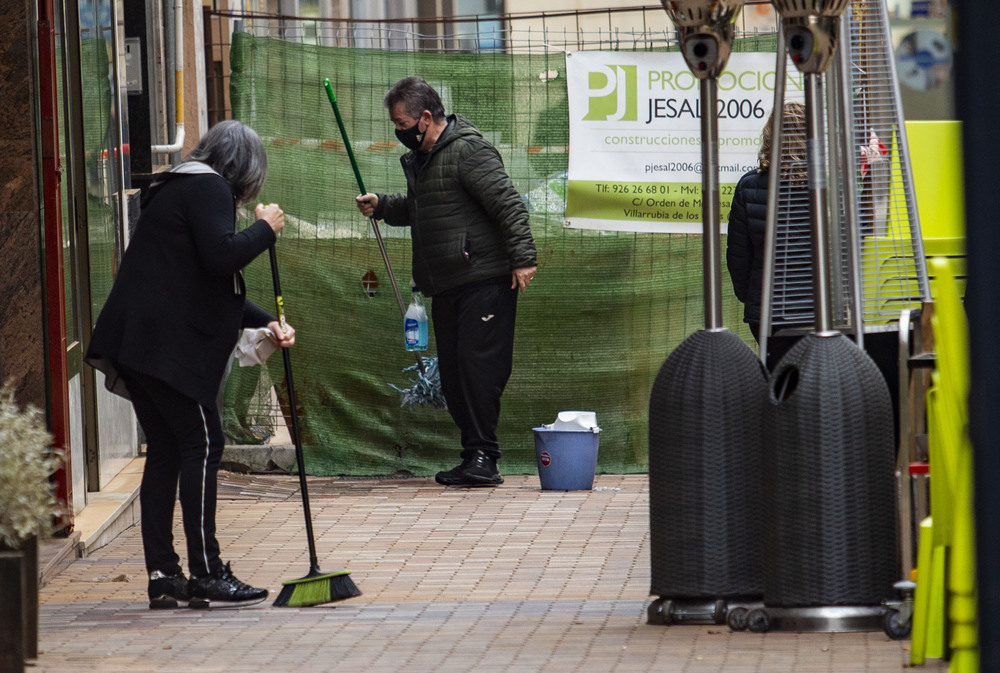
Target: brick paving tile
{"type": "Point", "coordinates": [512, 579]}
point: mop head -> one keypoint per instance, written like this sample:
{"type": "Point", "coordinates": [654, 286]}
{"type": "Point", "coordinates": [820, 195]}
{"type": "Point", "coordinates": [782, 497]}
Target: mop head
{"type": "Point", "coordinates": [317, 589]}
{"type": "Point", "coordinates": [426, 389]}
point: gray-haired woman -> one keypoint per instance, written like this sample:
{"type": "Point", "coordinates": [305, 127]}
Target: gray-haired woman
{"type": "Point", "coordinates": [165, 336]}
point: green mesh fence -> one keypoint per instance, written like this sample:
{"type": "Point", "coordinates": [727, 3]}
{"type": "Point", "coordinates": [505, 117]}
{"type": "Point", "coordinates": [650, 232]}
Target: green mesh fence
{"type": "Point", "coordinates": [604, 312]}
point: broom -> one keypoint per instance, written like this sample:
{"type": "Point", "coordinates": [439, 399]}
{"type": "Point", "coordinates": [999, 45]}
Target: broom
{"type": "Point", "coordinates": [426, 390]}
{"type": "Point", "coordinates": [316, 587]}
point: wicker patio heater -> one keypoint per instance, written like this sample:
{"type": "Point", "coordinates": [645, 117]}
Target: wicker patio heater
{"type": "Point", "coordinates": [828, 490]}
{"type": "Point", "coordinates": [706, 403]}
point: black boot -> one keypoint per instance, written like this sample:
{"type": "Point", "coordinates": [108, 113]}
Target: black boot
{"type": "Point", "coordinates": [482, 471]}
{"type": "Point", "coordinates": [453, 477]}
{"type": "Point", "coordinates": [166, 590]}
{"type": "Point", "coordinates": [222, 586]}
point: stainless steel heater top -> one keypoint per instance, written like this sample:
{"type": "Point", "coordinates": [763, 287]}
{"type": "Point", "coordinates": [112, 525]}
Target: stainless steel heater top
{"type": "Point", "coordinates": [790, 8]}
{"type": "Point", "coordinates": [706, 30]}
{"type": "Point", "coordinates": [811, 28]}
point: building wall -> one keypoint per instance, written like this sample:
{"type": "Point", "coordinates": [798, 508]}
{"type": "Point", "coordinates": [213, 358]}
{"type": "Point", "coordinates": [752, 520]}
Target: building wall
{"type": "Point", "coordinates": [22, 349]}
{"type": "Point", "coordinates": [96, 182]}
{"type": "Point", "coordinates": [754, 16]}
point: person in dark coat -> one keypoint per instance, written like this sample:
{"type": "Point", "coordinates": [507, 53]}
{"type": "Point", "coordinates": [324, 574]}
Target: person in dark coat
{"type": "Point", "coordinates": [164, 339]}
{"type": "Point", "coordinates": [472, 252]}
{"type": "Point", "coordinates": [747, 225]}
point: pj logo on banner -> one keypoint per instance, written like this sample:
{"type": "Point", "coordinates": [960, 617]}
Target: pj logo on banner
{"type": "Point", "coordinates": [635, 136]}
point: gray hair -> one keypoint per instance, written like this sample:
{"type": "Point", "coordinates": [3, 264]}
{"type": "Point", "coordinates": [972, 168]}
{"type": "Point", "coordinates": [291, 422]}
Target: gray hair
{"type": "Point", "coordinates": [416, 95]}
{"type": "Point", "coordinates": [234, 151]}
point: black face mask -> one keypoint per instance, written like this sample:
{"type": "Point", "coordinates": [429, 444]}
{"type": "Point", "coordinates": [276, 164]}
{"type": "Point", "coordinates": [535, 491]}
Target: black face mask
{"type": "Point", "coordinates": [411, 137]}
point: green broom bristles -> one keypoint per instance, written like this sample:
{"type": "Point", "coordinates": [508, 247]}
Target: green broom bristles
{"type": "Point", "coordinates": [317, 589]}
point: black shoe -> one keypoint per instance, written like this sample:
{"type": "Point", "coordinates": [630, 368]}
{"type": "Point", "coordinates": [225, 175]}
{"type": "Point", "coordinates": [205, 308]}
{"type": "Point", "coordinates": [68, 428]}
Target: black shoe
{"type": "Point", "coordinates": [482, 471]}
{"type": "Point", "coordinates": [166, 590]}
{"type": "Point", "coordinates": [453, 477]}
{"type": "Point", "coordinates": [222, 586]}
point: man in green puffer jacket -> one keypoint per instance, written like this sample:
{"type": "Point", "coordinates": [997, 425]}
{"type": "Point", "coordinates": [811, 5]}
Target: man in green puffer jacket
{"type": "Point", "coordinates": [472, 252]}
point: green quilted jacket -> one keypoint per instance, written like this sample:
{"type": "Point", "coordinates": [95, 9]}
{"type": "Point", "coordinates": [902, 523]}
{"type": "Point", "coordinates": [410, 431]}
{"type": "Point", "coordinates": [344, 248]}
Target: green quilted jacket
{"type": "Point", "coordinates": [467, 221]}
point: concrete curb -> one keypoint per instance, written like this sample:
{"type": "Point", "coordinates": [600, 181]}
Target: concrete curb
{"type": "Point", "coordinates": [264, 458]}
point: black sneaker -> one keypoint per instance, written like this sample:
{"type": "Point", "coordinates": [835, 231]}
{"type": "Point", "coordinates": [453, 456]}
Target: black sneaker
{"type": "Point", "coordinates": [222, 586]}
{"type": "Point", "coordinates": [166, 590]}
{"type": "Point", "coordinates": [482, 471]}
{"type": "Point", "coordinates": [453, 477]}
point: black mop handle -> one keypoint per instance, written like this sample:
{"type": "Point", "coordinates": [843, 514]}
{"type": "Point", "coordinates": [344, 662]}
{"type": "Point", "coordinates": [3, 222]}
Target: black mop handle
{"type": "Point", "coordinates": [296, 435]}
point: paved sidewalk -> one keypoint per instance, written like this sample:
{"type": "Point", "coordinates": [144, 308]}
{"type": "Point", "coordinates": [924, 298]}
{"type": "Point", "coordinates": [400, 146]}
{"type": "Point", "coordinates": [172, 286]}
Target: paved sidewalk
{"type": "Point", "coordinates": [507, 579]}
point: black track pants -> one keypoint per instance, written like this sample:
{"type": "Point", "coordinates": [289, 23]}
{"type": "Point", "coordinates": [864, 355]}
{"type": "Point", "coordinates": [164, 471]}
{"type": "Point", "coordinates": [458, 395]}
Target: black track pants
{"type": "Point", "coordinates": [474, 334]}
{"type": "Point", "coordinates": [184, 445]}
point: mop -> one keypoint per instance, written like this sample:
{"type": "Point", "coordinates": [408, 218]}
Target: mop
{"type": "Point", "coordinates": [317, 586]}
{"type": "Point", "coordinates": [426, 389]}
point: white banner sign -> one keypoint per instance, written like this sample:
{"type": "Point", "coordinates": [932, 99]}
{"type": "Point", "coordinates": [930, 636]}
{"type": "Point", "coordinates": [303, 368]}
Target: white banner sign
{"type": "Point", "coordinates": [635, 136]}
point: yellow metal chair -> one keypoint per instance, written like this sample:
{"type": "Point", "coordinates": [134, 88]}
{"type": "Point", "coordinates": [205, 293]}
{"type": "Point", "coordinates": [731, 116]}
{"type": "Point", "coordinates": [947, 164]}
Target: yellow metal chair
{"type": "Point", "coordinates": [944, 603]}
{"type": "Point", "coordinates": [927, 639]}
{"type": "Point", "coordinates": [951, 534]}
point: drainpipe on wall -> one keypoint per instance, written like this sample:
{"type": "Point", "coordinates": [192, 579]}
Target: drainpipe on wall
{"type": "Point", "coordinates": [178, 82]}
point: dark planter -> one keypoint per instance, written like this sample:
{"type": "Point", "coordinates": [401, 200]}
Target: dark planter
{"type": "Point", "coordinates": [30, 549]}
{"type": "Point", "coordinates": [12, 611]}
{"type": "Point", "coordinates": [29, 600]}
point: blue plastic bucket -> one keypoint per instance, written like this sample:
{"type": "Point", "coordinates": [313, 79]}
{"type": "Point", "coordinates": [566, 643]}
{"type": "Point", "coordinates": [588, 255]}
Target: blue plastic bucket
{"type": "Point", "coordinates": [567, 459]}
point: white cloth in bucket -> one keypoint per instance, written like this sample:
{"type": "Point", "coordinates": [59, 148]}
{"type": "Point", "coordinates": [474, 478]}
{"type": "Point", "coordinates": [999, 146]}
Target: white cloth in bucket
{"type": "Point", "coordinates": [578, 421]}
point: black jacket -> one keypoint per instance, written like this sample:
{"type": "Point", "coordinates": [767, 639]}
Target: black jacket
{"type": "Point", "coordinates": [178, 301]}
{"type": "Point", "coordinates": [745, 242]}
{"type": "Point", "coordinates": [467, 221]}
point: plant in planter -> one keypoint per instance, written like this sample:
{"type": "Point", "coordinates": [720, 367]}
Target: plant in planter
{"type": "Point", "coordinates": [27, 461]}
{"type": "Point", "coordinates": [27, 509]}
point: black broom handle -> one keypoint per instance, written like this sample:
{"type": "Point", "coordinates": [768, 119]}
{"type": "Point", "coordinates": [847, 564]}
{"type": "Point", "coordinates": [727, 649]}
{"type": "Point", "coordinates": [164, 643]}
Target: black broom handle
{"type": "Point", "coordinates": [361, 186]}
{"type": "Point", "coordinates": [296, 436]}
